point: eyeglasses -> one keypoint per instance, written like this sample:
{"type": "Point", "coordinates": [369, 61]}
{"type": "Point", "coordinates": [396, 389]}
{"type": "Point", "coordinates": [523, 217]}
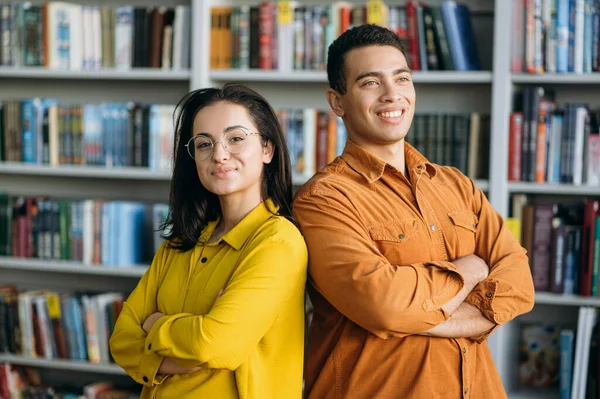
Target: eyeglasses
{"type": "Point", "coordinates": [201, 147]}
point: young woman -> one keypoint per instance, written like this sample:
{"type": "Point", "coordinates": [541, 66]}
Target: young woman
{"type": "Point", "coordinates": [220, 312]}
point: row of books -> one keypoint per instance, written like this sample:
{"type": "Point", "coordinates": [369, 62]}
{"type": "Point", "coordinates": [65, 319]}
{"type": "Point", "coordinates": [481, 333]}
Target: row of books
{"type": "Point", "coordinates": [556, 36]}
{"type": "Point", "coordinates": [563, 244]}
{"type": "Point", "coordinates": [27, 382]}
{"type": "Point", "coordinates": [459, 140]}
{"type": "Point", "coordinates": [552, 143]}
{"type": "Point", "coordinates": [315, 137]}
{"type": "Point", "coordinates": [61, 35]}
{"type": "Point", "coordinates": [112, 233]}
{"type": "Point", "coordinates": [562, 356]}
{"type": "Point", "coordinates": [52, 325]}
{"type": "Point", "coordinates": [291, 36]}
{"type": "Point", "coordinates": [44, 131]}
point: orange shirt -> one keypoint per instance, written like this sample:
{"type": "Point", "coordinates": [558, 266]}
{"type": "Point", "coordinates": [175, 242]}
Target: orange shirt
{"type": "Point", "coordinates": [380, 247]}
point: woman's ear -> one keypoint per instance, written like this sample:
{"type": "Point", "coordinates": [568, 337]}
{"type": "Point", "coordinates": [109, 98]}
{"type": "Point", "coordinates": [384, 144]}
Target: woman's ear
{"type": "Point", "coordinates": [268, 149]}
{"type": "Point", "coordinates": [335, 102]}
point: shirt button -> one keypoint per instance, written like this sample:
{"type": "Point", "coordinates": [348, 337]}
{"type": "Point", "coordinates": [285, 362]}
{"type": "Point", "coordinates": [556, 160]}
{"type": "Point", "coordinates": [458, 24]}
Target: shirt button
{"type": "Point", "coordinates": [465, 350]}
{"type": "Point", "coordinates": [466, 391]}
{"type": "Point", "coordinates": [401, 236]}
{"type": "Point", "coordinates": [489, 295]}
{"type": "Point", "coordinates": [432, 227]}
{"type": "Point", "coordinates": [145, 379]}
{"type": "Point", "coordinates": [204, 260]}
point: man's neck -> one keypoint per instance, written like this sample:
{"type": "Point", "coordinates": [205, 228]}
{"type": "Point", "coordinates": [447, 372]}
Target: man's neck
{"type": "Point", "coordinates": [392, 154]}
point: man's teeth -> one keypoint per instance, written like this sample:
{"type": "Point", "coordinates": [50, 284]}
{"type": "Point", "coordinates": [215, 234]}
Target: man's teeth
{"type": "Point", "coordinates": [394, 114]}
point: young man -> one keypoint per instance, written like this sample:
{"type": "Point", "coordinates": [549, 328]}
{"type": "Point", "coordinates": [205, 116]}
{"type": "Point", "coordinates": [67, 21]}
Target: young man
{"type": "Point", "coordinates": [410, 266]}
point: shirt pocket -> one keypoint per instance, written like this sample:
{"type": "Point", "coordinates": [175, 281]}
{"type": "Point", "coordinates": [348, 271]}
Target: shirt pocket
{"type": "Point", "coordinates": [465, 226]}
{"type": "Point", "coordinates": [400, 241]}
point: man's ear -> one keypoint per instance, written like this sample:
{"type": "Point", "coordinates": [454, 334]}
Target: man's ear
{"type": "Point", "coordinates": [335, 102]}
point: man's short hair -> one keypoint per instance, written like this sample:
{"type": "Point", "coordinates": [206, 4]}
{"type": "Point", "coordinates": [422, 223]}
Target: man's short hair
{"type": "Point", "coordinates": [361, 36]}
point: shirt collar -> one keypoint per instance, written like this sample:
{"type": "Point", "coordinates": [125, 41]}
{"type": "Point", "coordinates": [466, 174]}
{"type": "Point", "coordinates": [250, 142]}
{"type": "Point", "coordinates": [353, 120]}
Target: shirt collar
{"type": "Point", "coordinates": [372, 168]}
{"type": "Point", "coordinates": [237, 236]}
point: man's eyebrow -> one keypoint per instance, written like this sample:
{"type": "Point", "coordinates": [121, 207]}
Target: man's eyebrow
{"type": "Point", "coordinates": [402, 70]}
{"type": "Point", "coordinates": [367, 74]}
{"type": "Point", "coordinates": [379, 74]}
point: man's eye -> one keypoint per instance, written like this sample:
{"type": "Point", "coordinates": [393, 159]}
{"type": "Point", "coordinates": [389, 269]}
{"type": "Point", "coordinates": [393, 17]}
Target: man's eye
{"type": "Point", "coordinates": [369, 83]}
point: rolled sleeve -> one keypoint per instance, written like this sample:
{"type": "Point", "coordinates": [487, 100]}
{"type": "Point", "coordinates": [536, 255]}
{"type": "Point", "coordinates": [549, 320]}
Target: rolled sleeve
{"type": "Point", "coordinates": [508, 290]}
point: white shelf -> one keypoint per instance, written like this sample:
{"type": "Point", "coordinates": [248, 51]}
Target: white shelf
{"type": "Point", "coordinates": [99, 172]}
{"type": "Point", "coordinates": [557, 78]}
{"type": "Point", "coordinates": [546, 188]}
{"type": "Point", "coordinates": [132, 173]}
{"type": "Point", "coordinates": [483, 185]}
{"type": "Point", "coordinates": [534, 393]}
{"type": "Point", "coordinates": [70, 267]}
{"type": "Point", "coordinates": [321, 76]}
{"type": "Point", "coordinates": [548, 298]}
{"type": "Point", "coordinates": [133, 74]}
{"type": "Point", "coordinates": [61, 364]}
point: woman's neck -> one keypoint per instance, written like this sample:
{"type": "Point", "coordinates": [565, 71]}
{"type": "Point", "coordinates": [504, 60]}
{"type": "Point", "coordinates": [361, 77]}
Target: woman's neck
{"type": "Point", "coordinates": [233, 210]}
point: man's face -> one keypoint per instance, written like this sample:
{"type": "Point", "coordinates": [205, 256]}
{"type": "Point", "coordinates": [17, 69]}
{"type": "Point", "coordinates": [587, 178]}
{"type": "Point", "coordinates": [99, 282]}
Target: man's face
{"type": "Point", "coordinates": [379, 103]}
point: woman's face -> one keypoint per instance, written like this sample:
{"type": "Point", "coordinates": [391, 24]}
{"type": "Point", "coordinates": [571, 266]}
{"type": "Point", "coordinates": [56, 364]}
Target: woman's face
{"type": "Point", "coordinates": [228, 150]}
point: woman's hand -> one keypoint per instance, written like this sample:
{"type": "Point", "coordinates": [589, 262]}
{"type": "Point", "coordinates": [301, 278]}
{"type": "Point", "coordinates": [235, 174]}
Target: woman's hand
{"type": "Point", "coordinates": [149, 322]}
{"type": "Point", "coordinates": [168, 366]}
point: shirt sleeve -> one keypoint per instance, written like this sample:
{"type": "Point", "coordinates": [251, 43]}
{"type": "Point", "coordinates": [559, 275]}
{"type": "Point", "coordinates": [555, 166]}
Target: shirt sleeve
{"type": "Point", "coordinates": [508, 290]}
{"type": "Point", "coordinates": [127, 342]}
{"type": "Point", "coordinates": [248, 307]}
{"type": "Point", "coordinates": [346, 268]}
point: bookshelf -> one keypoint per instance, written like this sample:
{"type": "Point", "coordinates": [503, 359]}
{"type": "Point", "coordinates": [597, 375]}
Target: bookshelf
{"type": "Point", "coordinates": [61, 364]}
{"type": "Point", "coordinates": [552, 189]}
{"type": "Point", "coordinates": [434, 77]}
{"type": "Point", "coordinates": [80, 171]}
{"type": "Point", "coordinates": [489, 90]}
{"type": "Point", "coordinates": [548, 298]}
{"type": "Point", "coordinates": [557, 78]}
{"type": "Point", "coordinates": [133, 74]}
{"type": "Point", "coordinates": [534, 394]}
{"type": "Point", "coordinates": [70, 267]}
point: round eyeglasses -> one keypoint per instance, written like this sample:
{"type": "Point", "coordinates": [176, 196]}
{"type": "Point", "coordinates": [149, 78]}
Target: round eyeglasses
{"type": "Point", "coordinates": [200, 147]}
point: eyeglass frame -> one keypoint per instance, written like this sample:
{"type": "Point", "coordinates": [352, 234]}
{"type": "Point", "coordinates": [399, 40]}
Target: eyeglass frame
{"type": "Point", "coordinates": [214, 143]}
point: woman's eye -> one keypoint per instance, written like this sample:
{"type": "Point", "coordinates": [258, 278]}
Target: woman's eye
{"type": "Point", "coordinates": [204, 144]}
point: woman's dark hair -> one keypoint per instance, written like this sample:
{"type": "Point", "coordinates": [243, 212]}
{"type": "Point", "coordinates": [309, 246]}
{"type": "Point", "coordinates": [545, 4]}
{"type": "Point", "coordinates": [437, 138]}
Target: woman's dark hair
{"type": "Point", "coordinates": [191, 205]}
{"type": "Point", "coordinates": [360, 36]}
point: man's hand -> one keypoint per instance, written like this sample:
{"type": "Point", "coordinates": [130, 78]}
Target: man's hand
{"type": "Point", "coordinates": [149, 322]}
{"type": "Point", "coordinates": [466, 322]}
{"type": "Point", "coordinates": [473, 268]}
{"type": "Point", "coordinates": [168, 366]}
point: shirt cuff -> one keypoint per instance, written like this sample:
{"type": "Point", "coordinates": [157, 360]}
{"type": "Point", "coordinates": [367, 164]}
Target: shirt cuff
{"type": "Point", "coordinates": [482, 297]}
{"type": "Point", "coordinates": [153, 343]}
{"type": "Point", "coordinates": [148, 368]}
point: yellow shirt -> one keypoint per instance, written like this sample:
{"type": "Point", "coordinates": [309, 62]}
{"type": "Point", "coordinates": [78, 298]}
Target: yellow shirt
{"type": "Point", "coordinates": [249, 341]}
